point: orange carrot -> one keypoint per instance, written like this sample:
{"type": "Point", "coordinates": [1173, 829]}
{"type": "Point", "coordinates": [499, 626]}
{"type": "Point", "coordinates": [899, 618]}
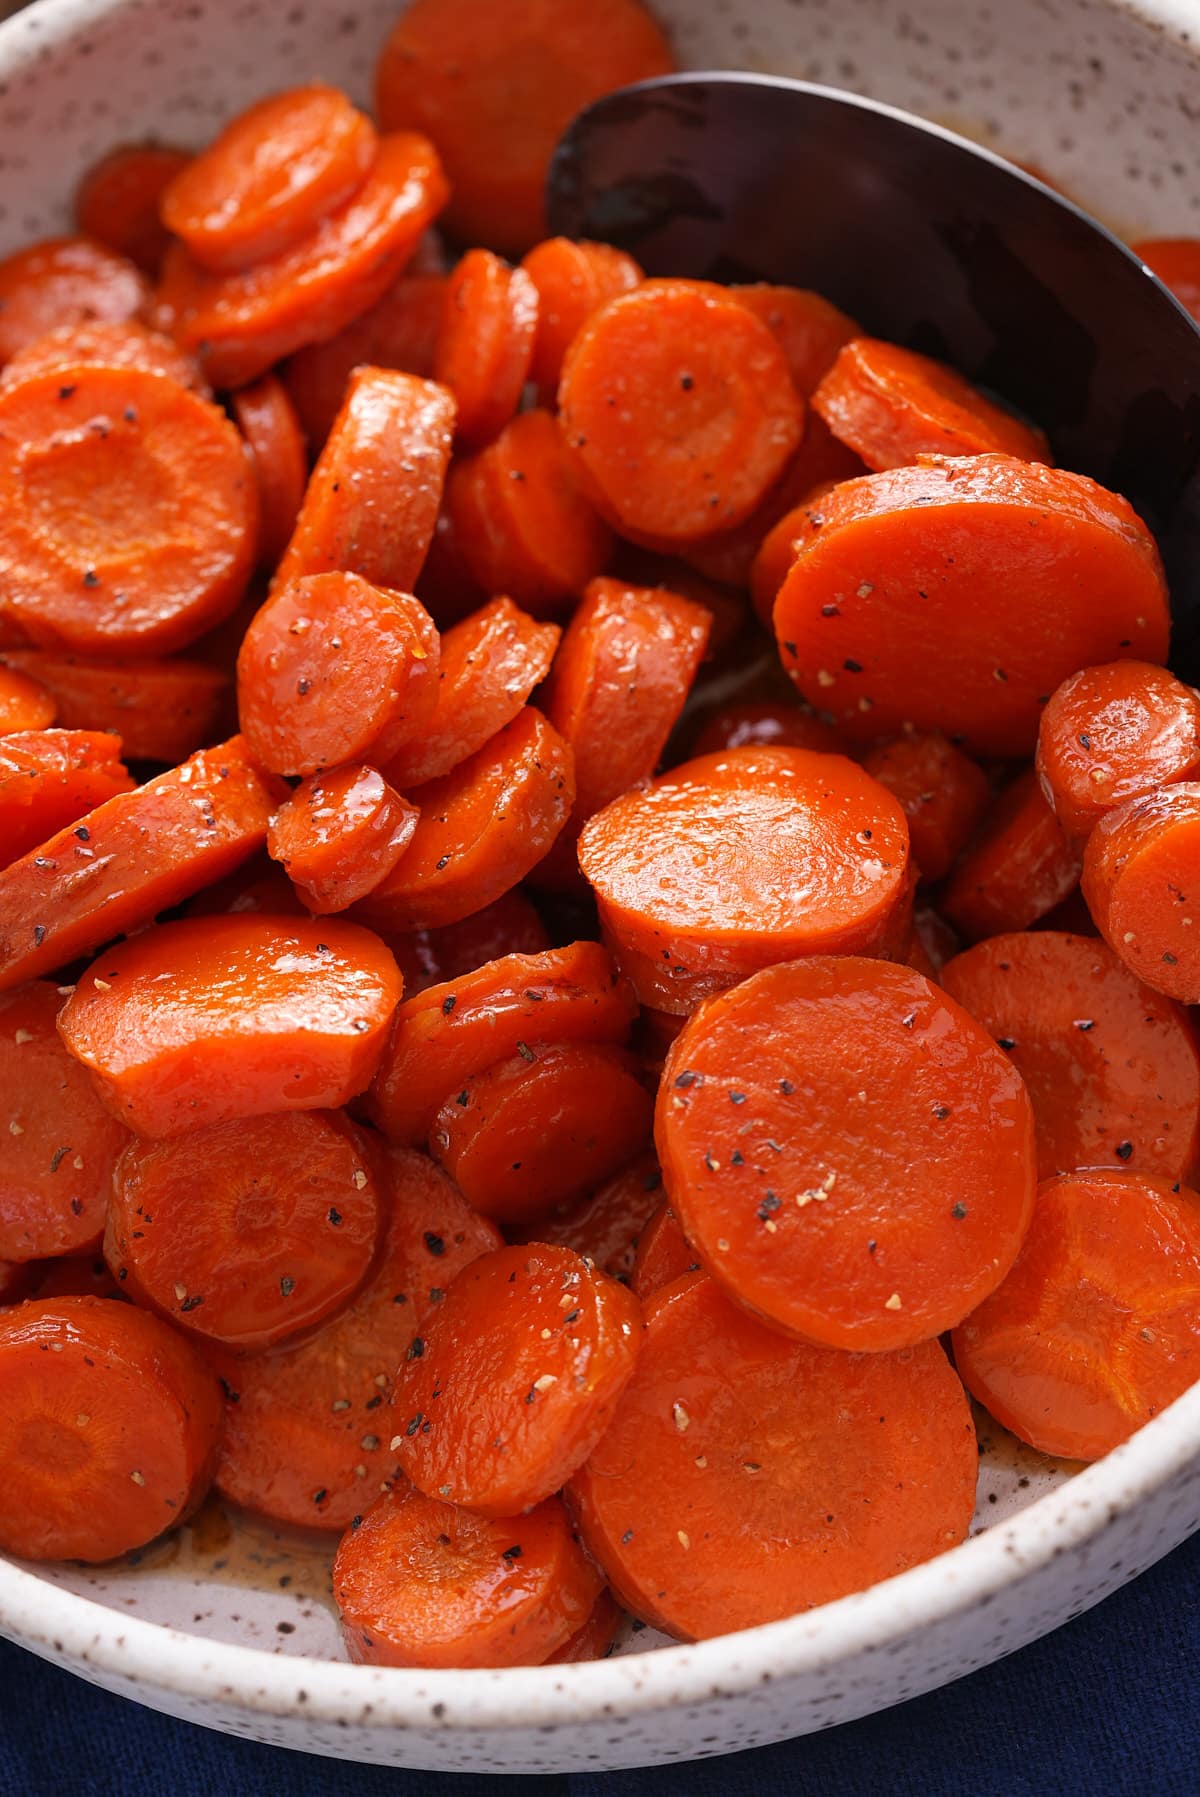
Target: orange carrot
{"type": "Point", "coordinates": [105, 344]}
{"type": "Point", "coordinates": [1139, 880]}
{"type": "Point", "coordinates": [340, 834]}
{"type": "Point", "coordinates": [74, 1276]}
{"type": "Point", "coordinates": [259, 886]}
{"type": "Point", "coordinates": [598, 1636]}
{"type": "Point", "coordinates": [809, 329]}
{"type": "Point", "coordinates": [117, 201]}
{"type": "Point", "coordinates": [49, 779]}
{"type": "Point", "coordinates": [485, 342]}
{"type": "Point", "coordinates": [161, 710]}
{"type": "Point", "coordinates": [573, 280]}
{"type": "Point", "coordinates": [776, 550]}
{"type": "Point", "coordinates": [25, 703]}
{"type": "Point", "coordinates": [763, 725]}
{"type": "Point", "coordinates": [267, 420]}
{"type": "Point", "coordinates": [664, 1254]}
{"type": "Point", "coordinates": [510, 925]}
{"type": "Point", "coordinates": [608, 1223]}
{"type": "Point", "coordinates": [944, 794]}
{"type": "Point", "coordinates": [398, 331]}
{"type": "Point", "coordinates": [1113, 733]}
{"type": "Point", "coordinates": [1021, 867]}
{"type": "Point", "coordinates": [64, 280]}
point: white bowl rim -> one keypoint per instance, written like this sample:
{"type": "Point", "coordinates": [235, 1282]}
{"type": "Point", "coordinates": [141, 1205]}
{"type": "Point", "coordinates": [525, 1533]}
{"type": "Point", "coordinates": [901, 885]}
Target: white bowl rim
{"type": "Point", "coordinates": [64, 1624]}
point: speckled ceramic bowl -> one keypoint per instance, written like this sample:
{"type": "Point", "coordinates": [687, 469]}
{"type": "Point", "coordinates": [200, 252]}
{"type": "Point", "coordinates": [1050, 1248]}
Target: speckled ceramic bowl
{"type": "Point", "coordinates": [232, 1627]}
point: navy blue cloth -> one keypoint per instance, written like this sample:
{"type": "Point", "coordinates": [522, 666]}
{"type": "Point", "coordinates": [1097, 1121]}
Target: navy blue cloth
{"type": "Point", "coordinates": [1106, 1706]}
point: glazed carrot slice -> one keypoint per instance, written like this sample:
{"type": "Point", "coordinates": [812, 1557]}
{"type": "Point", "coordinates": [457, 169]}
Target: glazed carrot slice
{"type": "Point", "coordinates": [267, 420]}
{"type": "Point", "coordinates": [422, 1583]}
{"type": "Point", "coordinates": [679, 408]}
{"type": "Point", "coordinates": [750, 817]}
{"type": "Point", "coordinates": [765, 724]}
{"type": "Point", "coordinates": [372, 500]}
{"type": "Point", "coordinates": [64, 280]}
{"type": "Point", "coordinates": [1097, 1327]}
{"type": "Point", "coordinates": [598, 1636]}
{"type": "Point", "coordinates": [664, 1254]}
{"type": "Point", "coordinates": [340, 834]}
{"type": "Point", "coordinates": [248, 1232]}
{"type": "Point", "coordinates": [334, 669]}
{"type": "Point", "coordinates": [450, 1033]}
{"type": "Point", "coordinates": [269, 178]}
{"type": "Point", "coordinates": [105, 344]}
{"type": "Point", "coordinates": [259, 886]}
{"type": "Point", "coordinates": [776, 550]}
{"type": "Point", "coordinates": [746, 1477]}
{"type": "Point", "coordinates": [1139, 880]}
{"type": "Point", "coordinates": [510, 925]}
{"type": "Point", "coordinates": [496, 94]}
{"type": "Point", "coordinates": [135, 855]}
{"type": "Point", "coordinates": [943, 793]}
{"type": "Point", "coordinates": [891, 406]}
{"type": "Point", "coordinates": [60, 1143]}
{"type": "Point", "coordinates": [521, 519]}
{"type": "Point", "coordinates": [307, 1428]}
{"type": "Point", "coordinates": [131, 512]}
{"type": "Point", "coordinates": [1176, 262]}
{"type": "Point", "coordinates": [541, 1127]}
{"type": "Point", "coordinates": [240, 323]}
{"type": "Point", "coordinates": [573, 280]}
{"type": "Point", "coordinates": [1021, 867]}
{"type": "Point", "coordinates": [482, 828]}
{"type": "Point", "coordinates": [398, 331]}
{"type": "Point", "coordinates": [490, 663]}
{"type": "Point", "coordinates": [485, 342]}
{"type": "Point", "coordinates": [848, 1151]}
{"type": "Point", "coordinates": [109, 1424]}
{"type": "Point", "coordinates": [956, 596]}
{"type": "Point", "coordinates": [810, 330]}
{"type": "Point", "coordinates": [50, 779]}
{"type": "Point", "coordinates": [1113, 733]}
{"type": "Point", "coordinates": [25, 703]}
{"type": "Point", "coordinates": [608, 1223]}
{"type": "Point", "coordinates": [117, 201]}
{"type": "Point", "coordinates": [518, 1376]}
{"type": "Point", "coordinates": [199, 1021]}
{"type": "Point", "coordinates": [161, 710]}
{"type": "Point", "coordinates": [1113, 1068]}
{"type": "Point", "coordinates": [622, 673]}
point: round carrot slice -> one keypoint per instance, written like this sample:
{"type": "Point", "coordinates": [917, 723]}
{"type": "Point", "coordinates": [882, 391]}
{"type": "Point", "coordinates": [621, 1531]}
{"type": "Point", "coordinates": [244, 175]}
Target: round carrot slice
{"type": "Point", "coordinates": [241, 322]}
{"type": "Point", "coordinates": [598, 1636]}
{"type": "Point", "coordinates": [215, 1018]}
{"type": "Point", "coordinates": [485, 342]}
{"type": "Point", "coordinates": [495, 95]}
{"type": "Point", "coordinates": [101, 344]}
{"type": "Point", "coordinates": [1139, 880]}
{"type": "Point", "coordinates": [340, 834]}
{"type": "Point", "coordinates": [267, 420]}
{"type": "Point", "coordinates": [607, 1224]}
{"type": "Point", "coordinates": [1097, 1327]}
{"type": "Point", "coordinates": [746, 1477]}
{"type": "Point", "coordinates": [521, 519]}
{"type": "Point", "coordinates": [541, 1127]}
{"type": "Point", "coordinates": [307, 1428]}
{"type": "Point", "coordinates": [573, 280]}
{"type": "Point", "coordinates": [131, 510]}
{"type": "Point", "coordinates": [1113, 1069]}
{"type": "Point", "coordinates": [1022, 866]}
{"type": "Point", "coordinates": [766, 724]}
{"type": "Point", "coordinates": [421, 1583]}
{"type": "Point", "coordinates": [490, 663]}
{"type": "Point", "coordinates": [109, 1424]}
{"type": "Point", "coordinates": [64, 280]}
{"type": "Point", "coordinates": [483, 826]}
{"type": "Point", "coordinates": [334, 669]}
{"type": "Point", "coordinates": [274, 1235]}
{"type": "Point", "coordinates": [891, 406]}
{"type": "Point", "coordinates": [1113, 733]}
{"type": "Point", "coordinates": [776, 550]}
{"type": "Point", "coordinates": [956, 596]}
{"type": "Point", "coordinates": [398, 331]}
{"type": "Point", "coordinates": [810, 331]}
{"type": "Point", "coordinates": [372, 501]}
{"type": "Point", "coordinates": [25, 704]}
{"type": "Point", "coordinates": [49, 779]}
{"type": "Point", "coordinates": [136, 855]}
{"type": "Point", "coordinates": [452, 1032]}
{"type": "Point", "coordinates": [117, 201]}
{"type": "Point", "coordinates": [518, 1376]}
{"type": "Point", "coordinates": [848, 1151]}
{"type": "Point", "coordinates": [664, 1254]}
{"type": "Point", "coordinates": [510, 925]}
{"type": "Point", "coordinates": [943, 794]}
{"type": "Point", "coordinates": [59, 1144]}
{"type": "Point", "coordinates": [268, 179]}
{"type": "Point", "coordinates": [161, 710]}
{"type": "Point", "coordinates": [749, 818]}
{"type": "Point", "coordinates": [679, 407]}
{"type": "Point", "coordinates": [1176, 262]}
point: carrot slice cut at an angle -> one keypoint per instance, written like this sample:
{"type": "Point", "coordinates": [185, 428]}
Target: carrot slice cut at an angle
{"type": "Point", "coordinates": [52, 778]}
{"type": "Point", "coordinates": [308, 1428]}
{"type": "Point", "coordinates": [162, 710]}
{"type": "Point", "coordinates": [117, 200]}
{"type": "Point", "coordinates": [340, 834]}
{"type": "Point", "coordinates": [1140, 882]}
{"type": "Point", "coordinates": [25, 703]}
{"type": "Point", "coordinates": [810, 330]}
{"type": "Point", "coordinates": [105, 344]}
{"type": "Point", "coordinates": [1113, 1068]}
{"type": "Point", "coordinates": [573, 280]}
{"type": "Point", "coordinates": [518, 1376]}
{"type": "Point", "coordinates": [848, 1151]}
{"type": "Point", "coordinates": [423, 1583]}
{"type": "Point", "coordinates": [1022, 866]}
{"type": "Point", "coordinates": [1113, 733]}
{"type": "Point", "coordinates": [1097, 1327]}
{"type": "Point", "coordinates": [64, 280]}
{"type": "Point", "coordinates": [143, 851]}
{"type": "Point", "coordinates": [109, 1423]}
{"type": "Point", "coordinates": [664, 1254]}
{"type": "Point", "coordinates": [598, 1636]}
{"type": "Point", "coordinates": [399, 331]}
{"type": "Point", "coordinates": [942, 791]}
{"type": "Point", "coordinates": [608, 1223]}
{"type": "Point", "coordinates": [485, 342]}
{"type": "Point", "coordinates": [60, 1143]}
{"type": "Point", "coordinates": [746, 1477]}
{"type": "Point", "coordinates": [451, 1032]}
{"type": "Point", "coordinates": [267, 420]}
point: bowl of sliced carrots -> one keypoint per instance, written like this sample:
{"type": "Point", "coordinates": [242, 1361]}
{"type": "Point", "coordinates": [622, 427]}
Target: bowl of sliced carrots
{"type": "Point", "coordinates": [599, 930]}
